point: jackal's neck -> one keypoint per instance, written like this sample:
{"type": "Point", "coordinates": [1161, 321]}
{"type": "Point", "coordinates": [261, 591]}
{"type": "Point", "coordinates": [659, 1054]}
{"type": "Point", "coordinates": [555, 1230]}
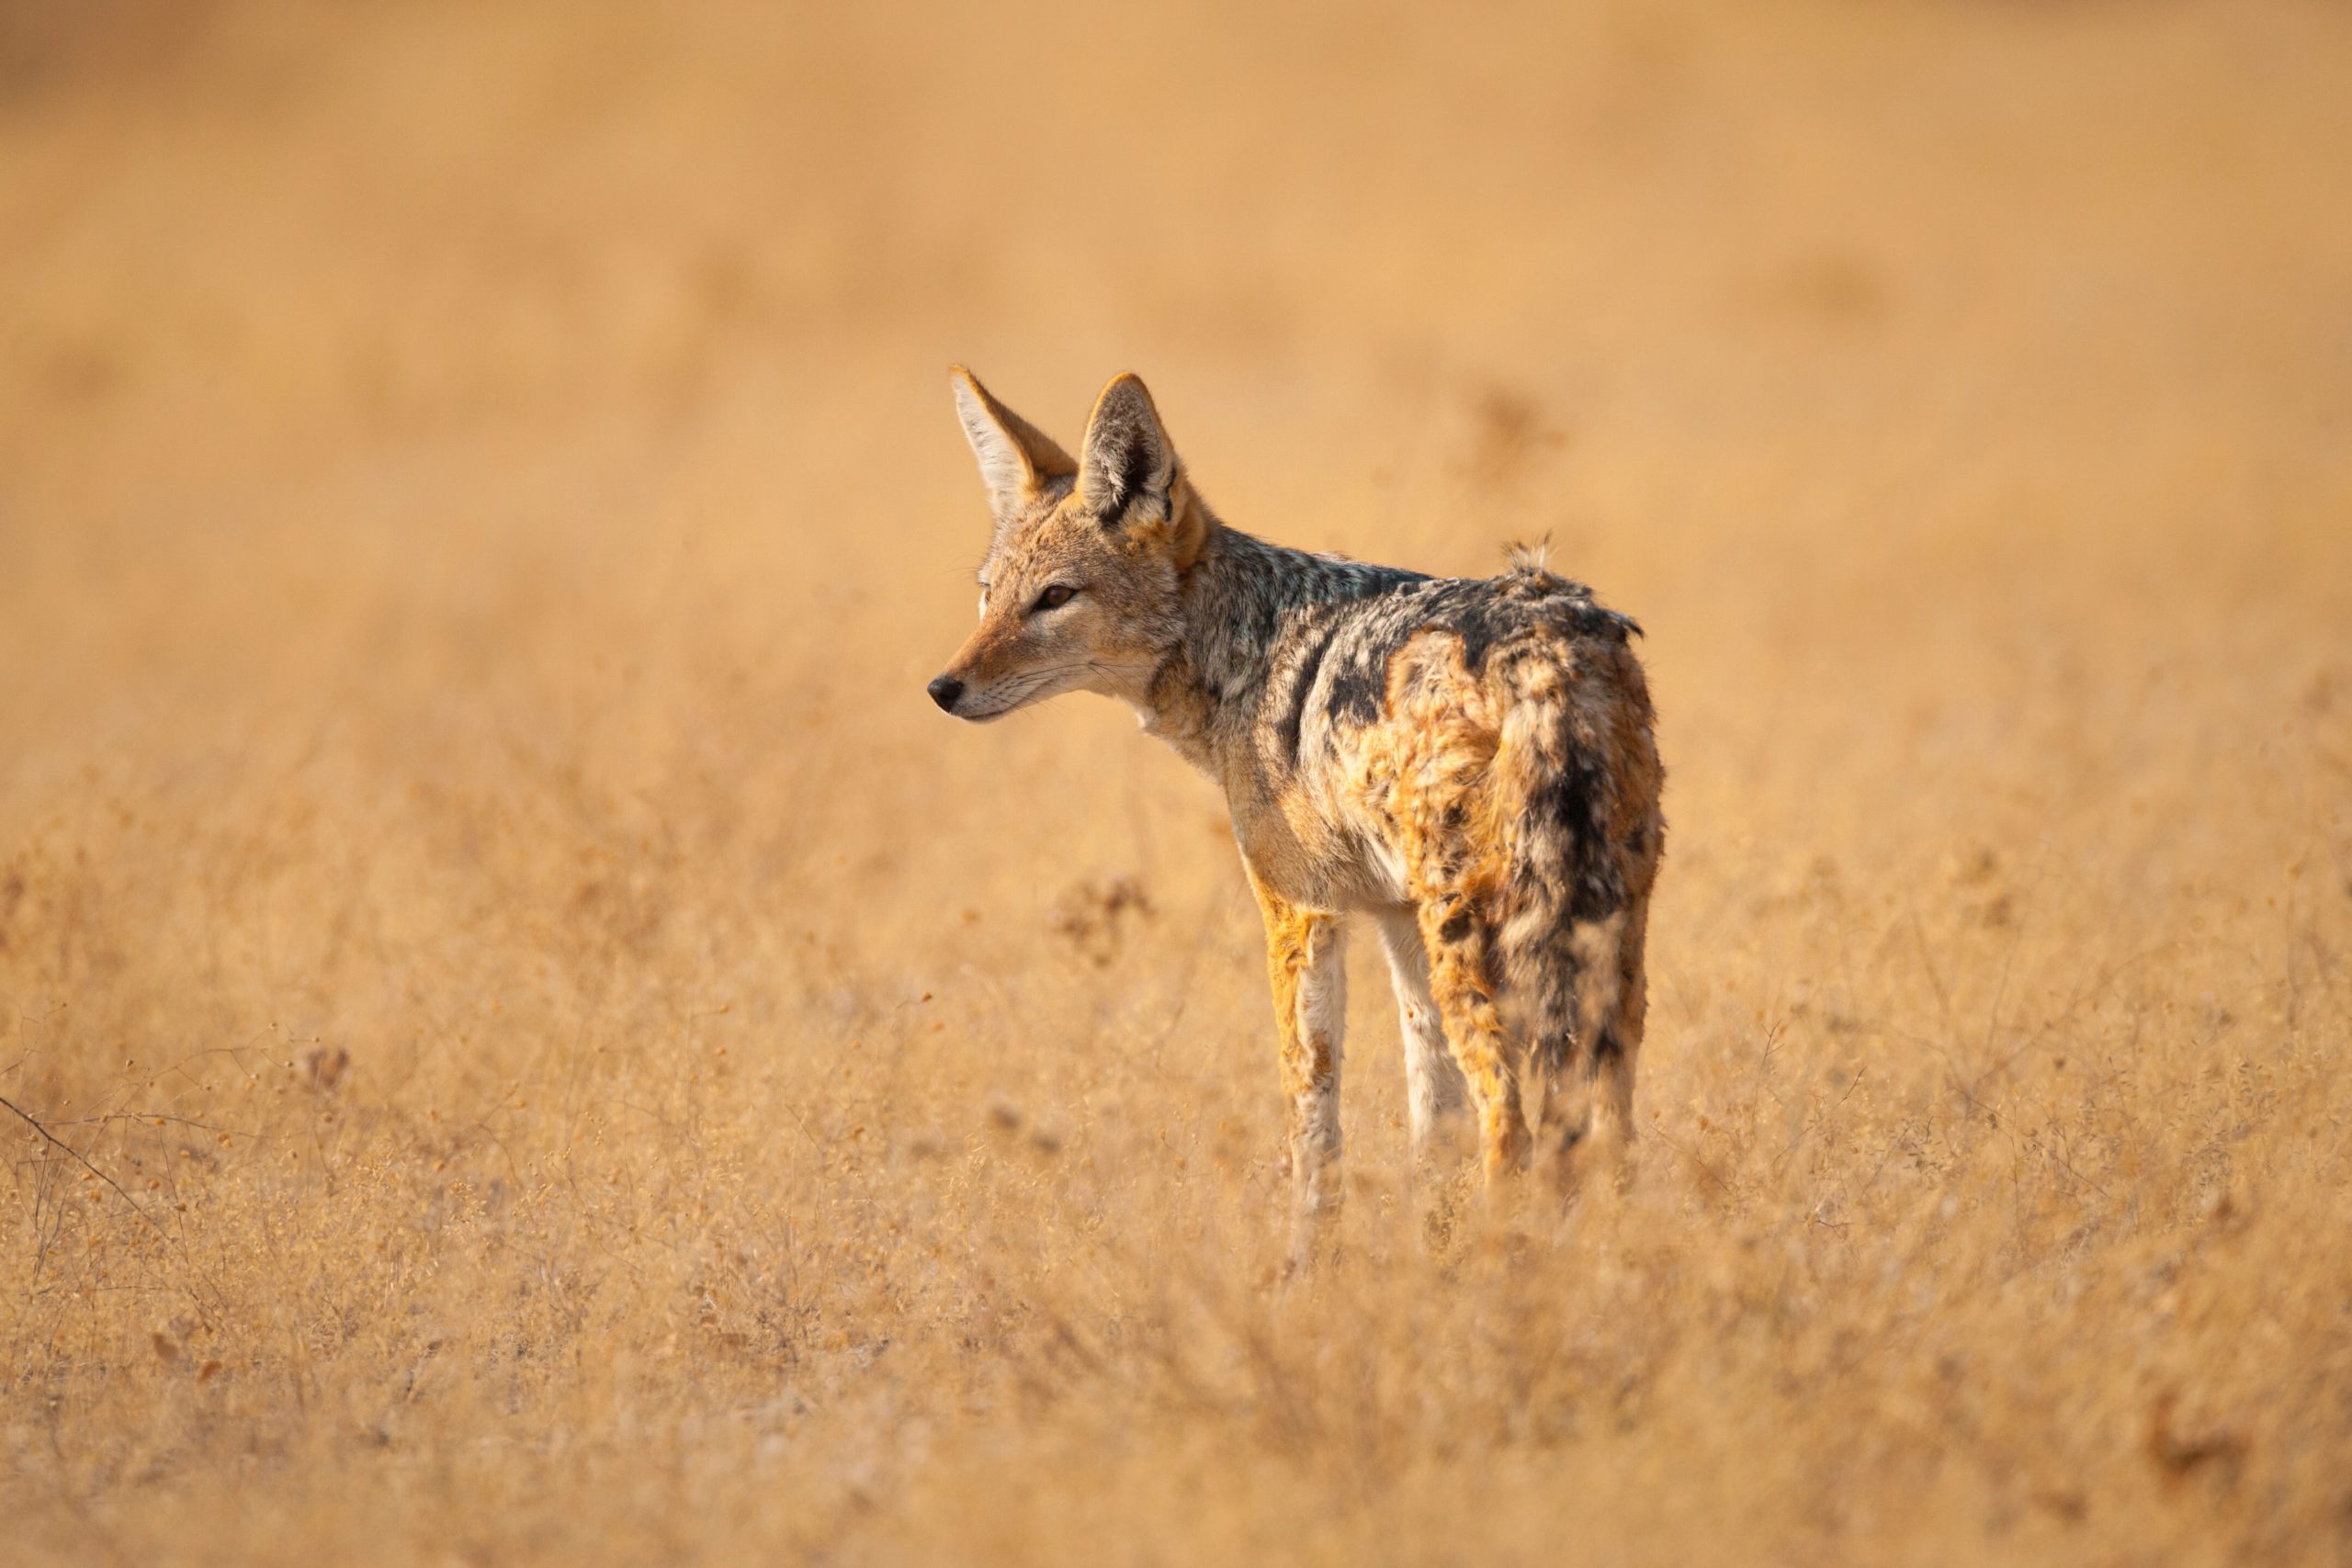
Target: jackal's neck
{"type": "Point", "coordinates": [1237, 601]}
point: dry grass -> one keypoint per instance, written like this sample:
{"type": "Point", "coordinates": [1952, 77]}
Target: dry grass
{"type": "Point", "coordinates": [603, 1073]}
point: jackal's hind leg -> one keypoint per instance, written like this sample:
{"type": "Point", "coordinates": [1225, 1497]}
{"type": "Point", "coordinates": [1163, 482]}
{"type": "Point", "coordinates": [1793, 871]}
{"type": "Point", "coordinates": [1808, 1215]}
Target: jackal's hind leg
{"type": "Point", "coordinates": [1589, 1075]}
{"type": "Point", "coordinates": [1306, 962]}
{"type": "Point", "coordinates": [1460, 946]}
{"type": "Point", "coordinates": [1612, 1099]}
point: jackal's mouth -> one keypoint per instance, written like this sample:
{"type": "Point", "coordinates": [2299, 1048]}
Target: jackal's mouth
{"type": "Point", "coordinates": [1011, 694]}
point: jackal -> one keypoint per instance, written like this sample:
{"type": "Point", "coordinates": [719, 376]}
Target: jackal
{"type": "Point", "coordinates": [1468, 762]}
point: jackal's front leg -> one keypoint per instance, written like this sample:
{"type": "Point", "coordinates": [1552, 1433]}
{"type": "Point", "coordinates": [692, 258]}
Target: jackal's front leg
{"type": "Point", "coordinates": [1304, 960]}
{"type": "Point", "coordinates": [1435, 1095]}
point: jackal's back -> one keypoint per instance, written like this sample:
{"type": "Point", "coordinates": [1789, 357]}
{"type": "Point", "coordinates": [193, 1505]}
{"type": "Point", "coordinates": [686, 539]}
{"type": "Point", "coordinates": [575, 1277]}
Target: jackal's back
{"type": "Point", "coordinates": [1440, 731]}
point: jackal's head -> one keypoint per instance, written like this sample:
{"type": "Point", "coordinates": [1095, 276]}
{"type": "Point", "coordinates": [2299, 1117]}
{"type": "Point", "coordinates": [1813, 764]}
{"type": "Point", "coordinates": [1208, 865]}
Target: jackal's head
{"type": "Point", "coordinates": [1079, 590]}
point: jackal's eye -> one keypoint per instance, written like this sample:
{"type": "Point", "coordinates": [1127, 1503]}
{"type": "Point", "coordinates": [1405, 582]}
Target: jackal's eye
{"type": "Point", "coordinates": [1053, 598]}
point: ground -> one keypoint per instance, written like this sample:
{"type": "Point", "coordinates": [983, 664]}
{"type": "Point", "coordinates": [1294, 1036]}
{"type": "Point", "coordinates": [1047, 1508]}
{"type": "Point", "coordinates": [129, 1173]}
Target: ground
{"type": "Point", "coordinates": [546, 1047]}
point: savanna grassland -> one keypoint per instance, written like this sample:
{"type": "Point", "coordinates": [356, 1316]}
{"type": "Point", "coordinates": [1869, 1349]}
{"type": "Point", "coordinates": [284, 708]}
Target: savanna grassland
{"type": "Point", "coordinates": [545, 1048]}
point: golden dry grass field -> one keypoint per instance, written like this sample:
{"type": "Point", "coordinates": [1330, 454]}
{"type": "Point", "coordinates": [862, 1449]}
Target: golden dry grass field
{"type": "Point", "coordinates": [555, 1052]}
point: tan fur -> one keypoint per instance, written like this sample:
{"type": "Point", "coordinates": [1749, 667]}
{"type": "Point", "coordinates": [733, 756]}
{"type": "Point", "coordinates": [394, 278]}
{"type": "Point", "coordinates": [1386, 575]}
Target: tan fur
{"type": "Point", "coordinates": [1302, 949]}
{"type": "Point", "coordinates": [1469, 761]}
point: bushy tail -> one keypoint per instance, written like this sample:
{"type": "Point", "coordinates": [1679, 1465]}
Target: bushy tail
{"type": "Point", "coordinates": [1568, 908]}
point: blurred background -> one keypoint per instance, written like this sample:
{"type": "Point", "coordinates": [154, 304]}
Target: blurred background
{"type": "Point", "coordinates": [467, 367]}
{"type": "Point", "coordinates": [479, 501]}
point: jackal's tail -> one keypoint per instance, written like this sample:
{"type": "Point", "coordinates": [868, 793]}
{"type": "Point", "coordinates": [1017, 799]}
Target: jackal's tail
{"type": "Point", "coordinates": [1576, 781]}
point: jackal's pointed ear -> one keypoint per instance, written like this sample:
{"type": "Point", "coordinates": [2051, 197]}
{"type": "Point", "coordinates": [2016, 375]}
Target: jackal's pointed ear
{"type": "Point", "coordinates": [1016, 458]}
{"type": "Point", "coordinates": [1128, 455]}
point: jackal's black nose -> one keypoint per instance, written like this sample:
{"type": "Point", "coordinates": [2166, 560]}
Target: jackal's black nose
{"type": "Point", "coordinates": [944, 690]}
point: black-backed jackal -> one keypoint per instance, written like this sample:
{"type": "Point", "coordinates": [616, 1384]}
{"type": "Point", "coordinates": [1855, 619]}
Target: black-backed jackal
{"type": "Point", "coordinates": [1470, 763]}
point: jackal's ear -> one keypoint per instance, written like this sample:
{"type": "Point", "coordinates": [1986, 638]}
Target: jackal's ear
{"type": "Point", "coordinates": [1016, 458]}
{"type": "Point", "coordinates": [1127, 455]}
